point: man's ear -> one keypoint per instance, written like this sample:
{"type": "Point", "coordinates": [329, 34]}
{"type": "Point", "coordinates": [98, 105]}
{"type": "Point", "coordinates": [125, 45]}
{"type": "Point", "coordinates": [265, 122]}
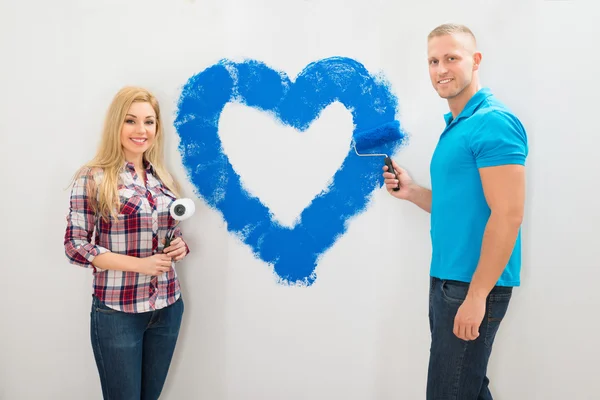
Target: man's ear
{"type": "Point", "coordinates": [476, 60]}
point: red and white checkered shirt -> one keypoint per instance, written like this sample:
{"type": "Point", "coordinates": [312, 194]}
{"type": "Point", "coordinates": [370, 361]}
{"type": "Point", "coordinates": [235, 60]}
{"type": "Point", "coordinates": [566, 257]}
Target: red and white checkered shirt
{"type": "Point", "coordinates": [142, 223]}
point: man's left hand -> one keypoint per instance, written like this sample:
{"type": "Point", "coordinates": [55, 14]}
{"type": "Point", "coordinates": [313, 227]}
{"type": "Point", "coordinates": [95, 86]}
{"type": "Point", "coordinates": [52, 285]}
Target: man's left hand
{"type": "Point", "coordinates": [469, 317]}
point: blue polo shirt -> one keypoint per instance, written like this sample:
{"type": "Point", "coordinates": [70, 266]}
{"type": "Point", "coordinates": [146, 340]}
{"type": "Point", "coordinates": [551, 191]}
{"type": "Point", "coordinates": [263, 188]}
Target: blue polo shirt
{"type": "Point", "coordinates": [486, 133]}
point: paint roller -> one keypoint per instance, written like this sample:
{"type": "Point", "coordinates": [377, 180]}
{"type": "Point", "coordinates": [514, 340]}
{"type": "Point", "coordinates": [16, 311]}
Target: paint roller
{"type": "Point", "coordinates": [370, 139]}
{"type": "Point", "coordinates": [180, 210]}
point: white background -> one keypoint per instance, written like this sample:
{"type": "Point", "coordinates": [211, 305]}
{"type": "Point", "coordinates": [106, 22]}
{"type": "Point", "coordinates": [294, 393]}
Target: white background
{"type": "Point", "coordinates": [361, 331]}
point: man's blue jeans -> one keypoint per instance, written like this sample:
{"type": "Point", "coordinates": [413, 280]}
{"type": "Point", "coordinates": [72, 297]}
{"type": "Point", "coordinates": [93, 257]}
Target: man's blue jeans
{"type": "Point", "coordinates": [458, 368]}
{"type": "Point", "coordinates": [133, 351]}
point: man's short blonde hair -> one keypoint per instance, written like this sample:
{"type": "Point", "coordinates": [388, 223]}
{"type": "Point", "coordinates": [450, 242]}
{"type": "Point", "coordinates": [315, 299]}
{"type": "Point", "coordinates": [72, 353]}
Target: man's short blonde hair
{"type": "Point", "coordinates": [450, 29]}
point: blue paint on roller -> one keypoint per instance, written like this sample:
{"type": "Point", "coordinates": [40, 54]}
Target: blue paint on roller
{"type": "Point", "coordinates": [377, 137]}
{"type": "Point", "coordinates": [293, 253]}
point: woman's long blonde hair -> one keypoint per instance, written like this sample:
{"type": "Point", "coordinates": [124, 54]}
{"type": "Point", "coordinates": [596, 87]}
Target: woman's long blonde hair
{"type": "Point", "coordinates": [110, 158]}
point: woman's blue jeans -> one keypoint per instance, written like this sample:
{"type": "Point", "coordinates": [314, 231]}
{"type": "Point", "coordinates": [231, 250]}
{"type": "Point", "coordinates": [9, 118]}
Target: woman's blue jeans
{"type": "Point", "coordinates": [133, 352]}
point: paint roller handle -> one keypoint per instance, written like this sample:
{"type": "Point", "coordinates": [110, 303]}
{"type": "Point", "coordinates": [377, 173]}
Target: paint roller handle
{"type": "Point", "coordinates": [388, 162]}
{"type": "Point", "coordinates": [168, 238]}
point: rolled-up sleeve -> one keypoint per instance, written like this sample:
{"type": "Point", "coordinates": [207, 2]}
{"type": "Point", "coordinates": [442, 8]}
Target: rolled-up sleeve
{"type": "Point", "coordinates": [81, 220]}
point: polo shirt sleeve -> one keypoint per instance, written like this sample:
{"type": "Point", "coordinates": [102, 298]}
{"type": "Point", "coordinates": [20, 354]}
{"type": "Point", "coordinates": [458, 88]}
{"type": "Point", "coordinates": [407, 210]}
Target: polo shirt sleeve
{"type": "Point", "coordinates": [500, 139]}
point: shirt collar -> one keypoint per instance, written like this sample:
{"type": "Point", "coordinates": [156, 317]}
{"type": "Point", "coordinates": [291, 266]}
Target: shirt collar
{"type": "Point", "coordinates": [471, 106]}
{"type": "Point", "coordinates": [147, 164]}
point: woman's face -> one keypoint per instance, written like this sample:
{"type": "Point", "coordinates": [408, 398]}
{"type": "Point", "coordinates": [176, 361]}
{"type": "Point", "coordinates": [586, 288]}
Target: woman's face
{"type": "Point", "coordinates": [138, 131]}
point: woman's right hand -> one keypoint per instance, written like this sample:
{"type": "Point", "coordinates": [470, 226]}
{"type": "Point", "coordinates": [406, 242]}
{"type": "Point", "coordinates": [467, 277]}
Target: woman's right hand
{"type": "Point", "coordinates": [155, 265]}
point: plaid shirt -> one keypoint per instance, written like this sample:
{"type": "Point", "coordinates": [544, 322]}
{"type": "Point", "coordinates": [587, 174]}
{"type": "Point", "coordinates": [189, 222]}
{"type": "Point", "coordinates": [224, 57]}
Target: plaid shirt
{"type": "Point", "coordinates": [138, 231]}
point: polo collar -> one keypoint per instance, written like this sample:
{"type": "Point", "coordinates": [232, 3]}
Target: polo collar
{"type": "Point", "coordinates": [471, 106]}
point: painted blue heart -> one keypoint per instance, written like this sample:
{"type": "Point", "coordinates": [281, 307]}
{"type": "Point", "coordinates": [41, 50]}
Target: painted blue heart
{"type": "Point", "coordinates": [294, 253]}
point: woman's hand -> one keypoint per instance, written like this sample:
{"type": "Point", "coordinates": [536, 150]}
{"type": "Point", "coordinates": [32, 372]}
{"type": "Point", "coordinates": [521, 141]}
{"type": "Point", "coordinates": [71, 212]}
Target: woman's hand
{"type": "Point", "coordinates": [154, 265]}
{"type": "Point", "coordinates": [177, 250]}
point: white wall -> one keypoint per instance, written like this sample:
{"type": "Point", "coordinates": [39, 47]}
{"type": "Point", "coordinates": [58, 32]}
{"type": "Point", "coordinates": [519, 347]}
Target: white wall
{"type": "Point", "coordinates": [360, 331]}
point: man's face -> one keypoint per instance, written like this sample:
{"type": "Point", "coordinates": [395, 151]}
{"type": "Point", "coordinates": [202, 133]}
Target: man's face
{"type": "Point", "coordinates": [452, 60]}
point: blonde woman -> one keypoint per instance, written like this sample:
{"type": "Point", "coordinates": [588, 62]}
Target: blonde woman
{"type": "Point", "coordinates": [116, 225]}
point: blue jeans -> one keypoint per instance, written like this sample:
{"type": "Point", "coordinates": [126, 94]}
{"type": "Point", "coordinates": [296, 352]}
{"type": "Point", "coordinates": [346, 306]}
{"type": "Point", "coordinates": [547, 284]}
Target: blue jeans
{"type": "Point", "coordinates": [133, 351]}
{"type": "Point", "coordinates": [458, 368]}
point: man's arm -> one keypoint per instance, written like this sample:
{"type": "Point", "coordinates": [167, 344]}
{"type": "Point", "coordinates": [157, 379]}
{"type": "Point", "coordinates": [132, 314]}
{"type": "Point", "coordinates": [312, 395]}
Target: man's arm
{"type": "Point", "coordinates": [421, 197]}
{"type": "Point", "coordinates": [504, 189]}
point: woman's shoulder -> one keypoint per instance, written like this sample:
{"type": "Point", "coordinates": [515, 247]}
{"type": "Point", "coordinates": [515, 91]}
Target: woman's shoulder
{"type": "Point", "coordinates": [89, 174]}
{"type": "Point", "coordinates": [90, 171]}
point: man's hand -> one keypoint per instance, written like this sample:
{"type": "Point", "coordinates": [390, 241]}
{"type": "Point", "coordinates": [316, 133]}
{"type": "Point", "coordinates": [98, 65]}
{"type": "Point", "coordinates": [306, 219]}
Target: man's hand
{"type": "Point", "coordinates": [408, 189]}
{"type": "Point", "coordinates": [469, 318]}
{"type": "Point", "coordinates": [403, 179]}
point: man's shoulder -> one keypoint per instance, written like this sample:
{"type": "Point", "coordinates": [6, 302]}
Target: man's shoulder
{"type": "Point", "coordinates": [495, 128]}
{"type": "Point", "coordinates": [494, 111]}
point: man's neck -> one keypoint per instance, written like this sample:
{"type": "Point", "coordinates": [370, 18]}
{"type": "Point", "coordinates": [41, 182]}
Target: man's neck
{"type": "Point", "coordinates": [458, 103]}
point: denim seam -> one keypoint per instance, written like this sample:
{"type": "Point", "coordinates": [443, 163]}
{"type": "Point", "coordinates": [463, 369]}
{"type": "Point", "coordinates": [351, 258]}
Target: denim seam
{"type": "Point", "coordinates": [459, 372]}
{"type": "Point", "coordinates": [500, 296]}
{"type": "Point", "coordinates": [487, 325]}
{"type": "Point", "coordinates": [100, 358]}
{"type": "Point", "coordinates": [432, 283]}
{"type": "Point", "coordinates": [431, 291]}
{"type": "Point", "coordinates": [491, 301]}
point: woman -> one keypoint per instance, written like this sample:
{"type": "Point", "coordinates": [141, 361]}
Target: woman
{"type": "Point", "coordinates": [121, 199]}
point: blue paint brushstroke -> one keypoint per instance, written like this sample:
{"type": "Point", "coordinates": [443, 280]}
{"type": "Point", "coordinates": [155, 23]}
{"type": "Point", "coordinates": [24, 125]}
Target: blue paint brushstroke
{"type": "Point", "coordinates": [294, 253]}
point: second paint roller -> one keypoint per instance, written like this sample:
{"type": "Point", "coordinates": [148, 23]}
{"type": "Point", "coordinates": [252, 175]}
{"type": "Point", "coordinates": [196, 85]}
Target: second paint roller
{"type": "Point", "coordinates": [370, 139]}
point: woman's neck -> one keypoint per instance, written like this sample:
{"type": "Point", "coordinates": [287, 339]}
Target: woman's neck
{"type": "Point", "coordinates": [138, 162]}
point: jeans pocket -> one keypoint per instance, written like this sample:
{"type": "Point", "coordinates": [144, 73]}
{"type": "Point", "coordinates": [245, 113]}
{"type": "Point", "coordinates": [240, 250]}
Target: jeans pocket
{"type": "Point", "coordinates": [454, 292]}
{"type": "Point", "coordinates": [497, 305]}
{"type": "Point", "coordinates": [100, 307]}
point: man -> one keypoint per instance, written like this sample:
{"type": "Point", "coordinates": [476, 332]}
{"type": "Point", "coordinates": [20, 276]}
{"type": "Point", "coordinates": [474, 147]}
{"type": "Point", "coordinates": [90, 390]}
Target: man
{"type": "Point", "coordinates": [476, 203]}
